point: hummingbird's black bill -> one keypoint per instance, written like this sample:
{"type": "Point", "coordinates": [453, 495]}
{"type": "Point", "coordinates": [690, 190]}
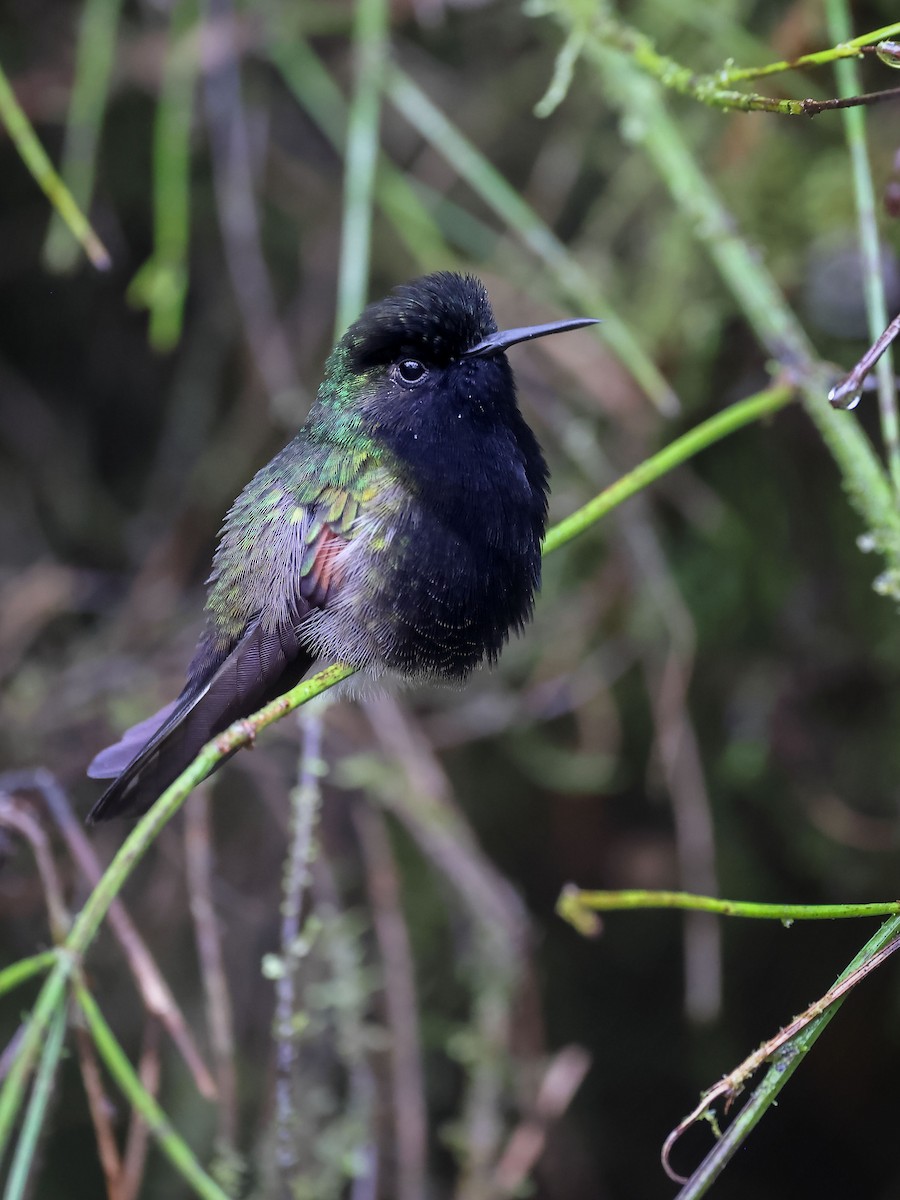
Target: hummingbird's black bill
{"type": "Point", "coordinates": [496, 343]}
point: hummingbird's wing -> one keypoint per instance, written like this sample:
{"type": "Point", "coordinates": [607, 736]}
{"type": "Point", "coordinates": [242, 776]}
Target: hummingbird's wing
{"type": "Point", "coordinates": [229, 678]}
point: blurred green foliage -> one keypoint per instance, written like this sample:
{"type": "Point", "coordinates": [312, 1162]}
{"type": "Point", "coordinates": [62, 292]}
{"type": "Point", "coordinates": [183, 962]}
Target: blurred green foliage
{"type": "Point", "coordinates": [730, 607]}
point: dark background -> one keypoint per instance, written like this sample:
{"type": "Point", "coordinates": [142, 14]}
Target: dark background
{"type": "Point", "coordinates": [738, 576]}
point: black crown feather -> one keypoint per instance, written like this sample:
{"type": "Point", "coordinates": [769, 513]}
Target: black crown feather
{"type": "Point", "coordinates": [435, 318]}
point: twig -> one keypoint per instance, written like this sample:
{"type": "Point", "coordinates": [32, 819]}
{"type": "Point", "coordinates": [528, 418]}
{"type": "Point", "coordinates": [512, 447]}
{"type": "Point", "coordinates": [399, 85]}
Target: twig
{"type": "Point", "coordinates": [137, 1142]}
{"type": "Point", "coordinates": [846, 393]}
{"type": "Point", "coordinates": [170, 1140]}
{"type": "Point", "coordinates": [305, 801]}
{"type": "Point", "coordinates": [99, 1107]}
{"type": "Point", "coordinates": [499, 926]}
{"type": "Point", "coordinates": [370, 45]}
{"type": "Point", "coordinates": [729, 1087]}
{"type": "Point", "coordinates": [233, 174]}
{"type": "Point", "coordinates": [155, 991]}
{"type": "Point", "coordinates": [562, 1079]}
{"type": "Point", "coordinates": [20, 972]}
{"type": "Point", "coordinates": [407, 1076]}
{"type": "Point", "coordinates": [735, 417]}
{"type": "Point", "coordinates": [98, 28]}
{"type": "Point", "coordinates": [715, 89]}
{"type": "Point", "coordinates": [35, 1114]}
{"type": "Point", "coordinates": [668, 668]}
{"type": "Point", "coordinates": [755, 291]}
{"type": "Point", "coordinates": [198, 863]}
{"type": "Point", "coordinates": [14, 816]}
{"type": "Point", "coordinates": [35, 159]}
{"type": "Point", "coordinates": [161, 284]}
{"type": "Point", "coordinates": [847, 72]}
{"type": "Point", "coordinates": [578, 907]}
{"type": "Point", "coordinates": [135, 846]}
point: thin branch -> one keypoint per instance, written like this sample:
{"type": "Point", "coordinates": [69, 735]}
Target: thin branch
{"type": "Point", "coordinates": [26, 1149]}
{"type": "Point", "coordinates": [562, 1079]}
{"type": "Point", "coordinates": [100, 1109]}
{"type": "Point", "coordinates": [98, 29]}
{"type": "Point", "coordinates": [787, 1050]}
{"type": "Point", "coordinates": [754, 290]}
{"type": "Point", "coordinates": [170, 1140]}
{"type": "Point", "coordinates": [745, 412]}
{"type": "Point", "coordinates": [35, 159]}
{"type": "Point", "coordinates": [716, 89]}
{"type": "Point", "coordinates": [152, 984]}
{"type": "Point", "coordinates": [133, 849]}
{"type": "Point", "coordinates": [15, 816]}
{"type": "Point", "coordinates": [199, 871]}
{"type": "Point", "coordinates": [370, 45]}
{"type": "Point", "coordinates": [233, 175]}
{"type": "Point", "coordinates": [579, 907]}
{"type": "Point", "coordinates": [161, 284]}
{"type": "Point", "coordinates": [138, 1140]}
{"type": "Point", "coordinates": [306, 799]}
{"type": "Point", "coordinates": [407, 1074]}
{"type": "Point", "coordinates": [870, 243]}
{"type": "Point", "coordinates": [847, 391]}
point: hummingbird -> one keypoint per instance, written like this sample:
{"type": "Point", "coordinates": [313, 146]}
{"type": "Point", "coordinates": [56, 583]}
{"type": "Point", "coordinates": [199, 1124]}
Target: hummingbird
{"type": "Point", "coordinates": [399, 532]}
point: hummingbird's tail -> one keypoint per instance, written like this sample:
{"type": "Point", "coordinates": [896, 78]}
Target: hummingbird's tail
{"type": "Point", "coordinates": [151, 755]}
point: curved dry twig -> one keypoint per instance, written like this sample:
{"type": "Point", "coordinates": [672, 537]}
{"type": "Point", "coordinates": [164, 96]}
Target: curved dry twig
{"type": "Point", "coordinates": [731, 1085]}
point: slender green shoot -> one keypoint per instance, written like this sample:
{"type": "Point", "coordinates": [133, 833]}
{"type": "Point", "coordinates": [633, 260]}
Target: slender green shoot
{"type": "Point", "coordinates": [35, 159]}
{"type": "Point", "coordinates": [20, 972]}
{"type": "Point", "coordinates": [169, 1140]}
{"type": "Point", "coordinates": [316, 91]}
{"type": "Point", "coordinates": [98, 29]}
{"type": "Point", "coordinates": [27, 1146]}
{"type": "Point", "coordinates": [854, 119]}
{"type": "Point", "coordinates": [744, 412]}
{"type": "Point", "coordinates": [130, 853]}
{"type": "Point", "coordinates": [715, 89]}
{"type": "Point", "coordinates": [580, 907]}
{"type": "Point", "coordinates": [783, 1066]}
{"type": "Point", "coordinates": [756, 294]}
{"type": "Point", "coordinates": [370, 41]}
{"type": "Point", "coordinates": [161, 284]}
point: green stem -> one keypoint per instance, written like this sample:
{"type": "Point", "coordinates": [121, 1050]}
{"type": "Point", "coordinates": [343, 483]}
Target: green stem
{"type": "Point", "coordinates": [848, 48]}
{"type": "Point", "coordinates": [315, 89]}
{"type": "Point", "coordinates": [161, 284]}
{"type": "Point", "coordinates": [50, 1002]}
{"type": "Point", "coordinates": [130, 853]}
{"type": "Point", "coordinates": [778, 1074]}
{"type": "Point", "coordinates": [854, 119]}
{"type": "Point", "coordinates": [97, 34]}
{"type": "Point", "coordinates": [577, 907]}
{"type": "Point", "coordinates": [370, 44]}
{"type": "Point", "coordinates": [708, 432]}
{"type": "Point", "coordinates": [755, 291]}
{"type": "Point", "coordinates": [713, 89]}
{"type": "Point", "coordinates": [27, 1145]}
{"type": "Point", "coordinates": [35, 159]}
{"type": "Point", "coordinates": [26, 968]}
{"type": "Point", "coordinates": [170, 1141]}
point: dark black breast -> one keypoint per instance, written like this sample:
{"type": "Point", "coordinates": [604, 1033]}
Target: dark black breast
{"type": "Point", "coordinates": [468, 550]}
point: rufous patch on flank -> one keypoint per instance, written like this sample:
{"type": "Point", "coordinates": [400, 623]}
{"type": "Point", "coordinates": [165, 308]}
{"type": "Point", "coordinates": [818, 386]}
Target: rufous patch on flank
{"type": "Point", "coordinates": [324, 571]}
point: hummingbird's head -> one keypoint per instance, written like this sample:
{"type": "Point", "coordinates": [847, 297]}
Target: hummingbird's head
{"type": "Point", "coordinates": [427, 355]}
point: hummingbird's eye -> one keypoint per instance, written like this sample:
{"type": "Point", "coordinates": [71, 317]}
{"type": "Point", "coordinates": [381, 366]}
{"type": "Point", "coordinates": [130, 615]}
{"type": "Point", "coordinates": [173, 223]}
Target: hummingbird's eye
{"type": "Point", "coordinates": [411, 370]}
